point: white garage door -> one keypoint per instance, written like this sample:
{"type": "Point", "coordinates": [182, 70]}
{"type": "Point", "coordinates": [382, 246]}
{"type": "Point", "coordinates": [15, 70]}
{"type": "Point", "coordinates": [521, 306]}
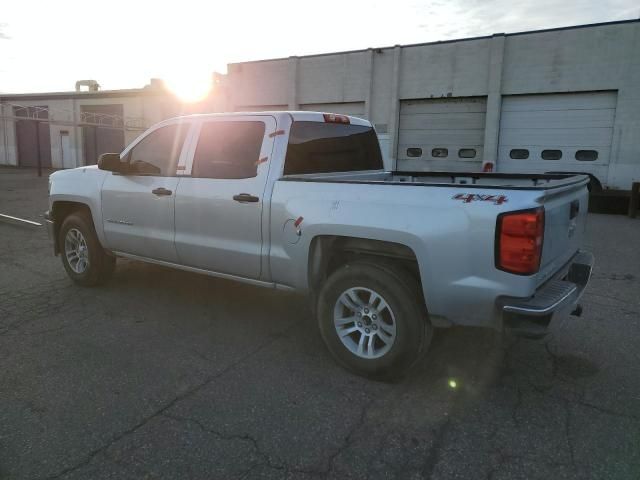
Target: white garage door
{"type": "Point", "coordinates": [559, 132]}
{"type": "Point", "coordinates": [441, 134]}
{"type": "Point", "coordinates": [355, 109]}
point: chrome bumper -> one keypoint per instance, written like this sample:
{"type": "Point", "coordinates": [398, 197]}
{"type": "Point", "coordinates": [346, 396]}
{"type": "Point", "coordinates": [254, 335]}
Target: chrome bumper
{"type": "Point", "coordinates": [531, 316]}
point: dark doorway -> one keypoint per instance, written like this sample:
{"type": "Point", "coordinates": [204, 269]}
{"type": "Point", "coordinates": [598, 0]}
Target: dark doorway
{"type": "Point", "coordinates": [99, 140]}
{"type": "Point", "coordinates": [33, 139]}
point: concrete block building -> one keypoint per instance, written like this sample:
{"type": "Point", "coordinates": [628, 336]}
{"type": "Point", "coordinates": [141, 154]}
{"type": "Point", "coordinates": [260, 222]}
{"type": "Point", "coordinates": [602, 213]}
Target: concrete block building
{"type": "Point", "coordinates": [553, 100]}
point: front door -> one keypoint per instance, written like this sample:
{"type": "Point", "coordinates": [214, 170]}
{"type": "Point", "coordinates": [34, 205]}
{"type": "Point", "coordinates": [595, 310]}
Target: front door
{"type": "Point", "coordinates": [138, 207]}
{"type": "Point", "coordinates": [219, 207]}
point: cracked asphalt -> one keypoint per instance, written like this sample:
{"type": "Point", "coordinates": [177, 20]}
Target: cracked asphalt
{"type": "Point", "coordinates": [168, 374]}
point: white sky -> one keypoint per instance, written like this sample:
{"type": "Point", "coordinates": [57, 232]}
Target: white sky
{"type": "Point", "coordinates": [48, 45]}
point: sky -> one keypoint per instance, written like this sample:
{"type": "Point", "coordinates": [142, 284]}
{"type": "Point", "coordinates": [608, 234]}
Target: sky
{"type": "Point", "coordinates": [48, 45]}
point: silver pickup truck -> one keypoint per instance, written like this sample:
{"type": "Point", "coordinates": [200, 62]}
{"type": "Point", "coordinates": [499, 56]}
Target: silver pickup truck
{"type": "Point", "coordinates": [300, 201]}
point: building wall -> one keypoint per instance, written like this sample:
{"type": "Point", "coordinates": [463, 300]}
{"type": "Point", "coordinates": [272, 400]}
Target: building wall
{"type": "Point", "coordinates": [142, 109]}
{"type": "Point", "coordinates": [580, 59]}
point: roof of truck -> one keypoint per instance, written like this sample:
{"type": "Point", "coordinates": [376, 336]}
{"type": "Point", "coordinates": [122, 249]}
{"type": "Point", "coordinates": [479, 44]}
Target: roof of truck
{"type": "Point", "coordinates": [297, 115]}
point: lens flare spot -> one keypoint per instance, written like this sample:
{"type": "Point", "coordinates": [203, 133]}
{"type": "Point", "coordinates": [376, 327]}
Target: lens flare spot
{"type": "Point", "coordinates": [453, 383]}
{"type": "Point", "coordinates": [189, 86]}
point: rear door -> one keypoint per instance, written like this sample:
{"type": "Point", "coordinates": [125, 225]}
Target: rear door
{"type": "Point", "coordinates": [219, 206]}
{"type": "Point", "coordinates": [138, 207]}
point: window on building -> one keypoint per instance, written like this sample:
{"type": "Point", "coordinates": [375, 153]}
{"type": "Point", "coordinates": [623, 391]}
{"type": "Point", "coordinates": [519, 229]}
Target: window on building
{"type": "Point", "coordinates": [587, 155]}
{"type": "Point", "coordinates": [414, 152]}
{"type": "Point", "coordinates": [551, 154]}
{"type": "Point", "coordinates": [519, 154]}
{"type": "Point", "coordinates": [228, 149]}
{"type": "Point", "coordinates": [440, 152]}
{"type": "Point", "coordinates": [318, 147]}
{"type": "Point", "coordinates": [467, 153]}
{"type": "Point", "coordinates": [157, 154]}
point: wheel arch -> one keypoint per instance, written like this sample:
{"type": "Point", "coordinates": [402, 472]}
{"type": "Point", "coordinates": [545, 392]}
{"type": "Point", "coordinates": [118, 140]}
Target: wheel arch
{"type": "Point", "coordinates": [60, 210]}
{"type": "Point", "coordinates": [328, 252]}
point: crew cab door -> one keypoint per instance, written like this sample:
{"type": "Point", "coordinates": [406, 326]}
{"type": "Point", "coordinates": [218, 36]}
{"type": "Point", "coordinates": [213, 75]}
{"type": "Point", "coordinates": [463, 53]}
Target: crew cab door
{"type": "Point", "coordinates": [220, 203]}
{"type": "Point", "coordinates": [138, 206]}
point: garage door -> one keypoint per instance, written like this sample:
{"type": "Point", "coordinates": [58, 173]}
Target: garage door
{"type": "Point", "coordinates": [99, 140]}
{"type": "Point", "coordinates": [33, 138]}
{"type": "Point", "coordinates": [441, 134]}
{"type": "Point", "coordinates": [559, 132]}
{"type": "Point", "coordinates": [355, 109]}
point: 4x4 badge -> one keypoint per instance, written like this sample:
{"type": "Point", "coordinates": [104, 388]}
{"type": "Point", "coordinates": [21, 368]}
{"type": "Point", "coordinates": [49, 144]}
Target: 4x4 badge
{"type": "Point", "coordinates": [472, 197]}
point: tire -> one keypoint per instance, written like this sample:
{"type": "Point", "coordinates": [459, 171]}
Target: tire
{"type": "Point", "coordinates": [83, 257]}
{"type": "Point", "coordinates": [393, 351]}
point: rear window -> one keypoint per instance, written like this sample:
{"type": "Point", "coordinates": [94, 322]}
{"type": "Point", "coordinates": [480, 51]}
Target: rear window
{"type": "Point", "coordinates": [316, 147]}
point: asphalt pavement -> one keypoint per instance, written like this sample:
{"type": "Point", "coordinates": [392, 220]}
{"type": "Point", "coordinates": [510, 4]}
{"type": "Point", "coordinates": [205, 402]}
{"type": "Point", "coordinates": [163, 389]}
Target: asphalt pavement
{"type": "Point", "coordinates": [168, 374]}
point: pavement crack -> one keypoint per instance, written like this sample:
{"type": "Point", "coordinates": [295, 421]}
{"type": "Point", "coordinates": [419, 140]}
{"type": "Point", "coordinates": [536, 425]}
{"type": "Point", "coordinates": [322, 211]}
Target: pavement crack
{"type": "Point", "coordinates": [348, 439]}
{"type": "Point", "coordinates": [567, 433]}
{"type": "Point", "coordinates": [554, 360]}
{"type": "Point", "coordinates": [186, 394]}
{"type": "Point", "coordinates": [204, 428]}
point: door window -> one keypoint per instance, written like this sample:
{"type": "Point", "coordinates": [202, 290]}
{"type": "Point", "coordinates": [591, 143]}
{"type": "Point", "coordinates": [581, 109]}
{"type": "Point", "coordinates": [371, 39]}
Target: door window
{"type": "Point", "coordinates": [157, 154]}
{"type": "Point", "coordinates": [228, 149]}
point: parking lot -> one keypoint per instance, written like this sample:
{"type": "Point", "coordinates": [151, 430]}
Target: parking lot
{"type": "Point", "coordinates": [168, 374]}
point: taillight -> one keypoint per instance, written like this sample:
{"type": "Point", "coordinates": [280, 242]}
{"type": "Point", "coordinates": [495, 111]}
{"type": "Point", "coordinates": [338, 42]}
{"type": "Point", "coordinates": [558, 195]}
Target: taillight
{"type": "Point", "coordinates": [519, 241]}
{"type": "Point", "coordinates": [335, 118]}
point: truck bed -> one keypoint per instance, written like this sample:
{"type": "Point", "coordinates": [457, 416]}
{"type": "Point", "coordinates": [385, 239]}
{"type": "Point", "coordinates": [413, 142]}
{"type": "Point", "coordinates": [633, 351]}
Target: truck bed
{"type": "Point", "coordinates": [518, 181]}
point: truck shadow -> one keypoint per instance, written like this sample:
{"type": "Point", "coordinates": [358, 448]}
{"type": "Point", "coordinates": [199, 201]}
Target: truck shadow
{"type": "Point", "coordinates": [454, 353]}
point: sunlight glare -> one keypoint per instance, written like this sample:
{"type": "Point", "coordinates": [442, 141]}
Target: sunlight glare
{"type": "Point", "coordinates": [189, 86]}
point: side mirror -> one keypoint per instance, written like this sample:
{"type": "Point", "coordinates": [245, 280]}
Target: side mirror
{"type": "Point", "coordinates": [111, 162]}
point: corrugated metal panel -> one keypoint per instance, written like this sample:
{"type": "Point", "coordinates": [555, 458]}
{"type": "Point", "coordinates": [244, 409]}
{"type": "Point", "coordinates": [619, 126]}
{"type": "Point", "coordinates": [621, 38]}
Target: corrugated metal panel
{"type": "Point", "coordinates": [355, 109]}
{"type": "Point", "coordinates": [453, 124]}
{"type": "Point", "coordinates": [566, 122]}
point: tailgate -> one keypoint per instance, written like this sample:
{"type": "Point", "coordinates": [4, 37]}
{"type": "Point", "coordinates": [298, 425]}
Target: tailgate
{"type": "Point", "coordinates": [564, 225]}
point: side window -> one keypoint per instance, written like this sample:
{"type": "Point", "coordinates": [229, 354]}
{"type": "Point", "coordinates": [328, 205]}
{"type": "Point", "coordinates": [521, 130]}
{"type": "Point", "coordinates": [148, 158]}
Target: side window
{"type": "Point", "coordinates": [228, 149]}
{"type": "Point", "coordinates": [440, 152]}
{"type": "Point", "coordinates": [519, 154]}
{"type": "Point", "coordinates": [467, 153]}
{"type": "Point", "coordinates": [158, 153]}
{"type": "Point", "coordinates": [587, 155]}
{"type": "Point", "coordinates": [414, 152]}
{"type": "Point", "coordinates": [551, 154]}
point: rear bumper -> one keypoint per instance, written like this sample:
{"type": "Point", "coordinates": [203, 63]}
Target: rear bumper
{"type": "Point", "coordinates": [531, 316]}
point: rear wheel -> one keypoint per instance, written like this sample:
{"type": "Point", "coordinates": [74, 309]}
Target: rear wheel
{"type": "Point", "coordinates": [373, 320]}
{"type": "Point", "coordinates": [83, 257]}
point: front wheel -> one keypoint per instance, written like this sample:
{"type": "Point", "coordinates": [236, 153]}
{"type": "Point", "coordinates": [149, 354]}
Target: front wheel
{"type": "Point", "coordinates": [83, 257]}
{"type": "Point", "coordinates": [373, 320]}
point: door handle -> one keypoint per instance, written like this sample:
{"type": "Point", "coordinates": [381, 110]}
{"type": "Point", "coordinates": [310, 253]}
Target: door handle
{"type": "Point", "coordinates": [245, 198]}
{"type": "Point", "coordinates": [161, 191]}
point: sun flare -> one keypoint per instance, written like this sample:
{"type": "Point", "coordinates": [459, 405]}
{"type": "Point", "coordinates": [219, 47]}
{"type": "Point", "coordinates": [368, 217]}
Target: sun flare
{"type": "Point", "coordinates": [190, 86]}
